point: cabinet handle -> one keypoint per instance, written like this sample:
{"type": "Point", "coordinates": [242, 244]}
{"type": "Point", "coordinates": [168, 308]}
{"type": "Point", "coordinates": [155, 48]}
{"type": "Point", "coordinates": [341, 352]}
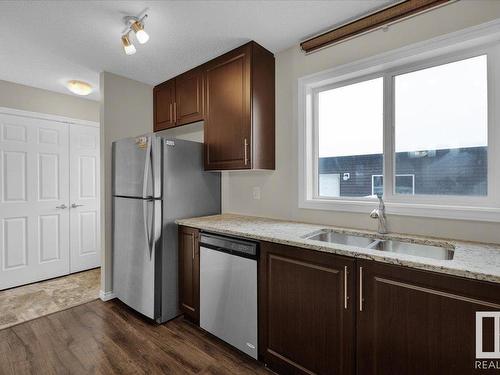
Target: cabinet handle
{"type": "Point", "coordinates": [192, 252]}
{"type": "Point", "coordinates": [175, 111]}
{"type": "Point", "coordinates": [345, 288]}
{"type": "Point", "coordinates": [245, 144]}
{"type": "Point", "coordinates": [171, 119]}
{"type": "Point", "coordinates": [360, 288]}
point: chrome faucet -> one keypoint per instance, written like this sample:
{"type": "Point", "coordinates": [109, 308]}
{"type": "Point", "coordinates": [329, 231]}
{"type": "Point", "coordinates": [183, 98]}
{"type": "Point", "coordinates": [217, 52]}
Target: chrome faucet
{"type": "Point", "coordinates": [379, 213]}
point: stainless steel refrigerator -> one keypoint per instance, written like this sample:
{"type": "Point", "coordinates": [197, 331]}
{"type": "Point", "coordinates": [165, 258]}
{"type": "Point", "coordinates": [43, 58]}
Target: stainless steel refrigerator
{"type": "Point", "coordinates": [155, 181]}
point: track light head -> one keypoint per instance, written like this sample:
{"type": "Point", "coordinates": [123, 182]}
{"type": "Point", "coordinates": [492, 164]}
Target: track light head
{"type": "Point", "coordinates": [140, 34]}
{"type": "Point", "coordinates": [128, 47]}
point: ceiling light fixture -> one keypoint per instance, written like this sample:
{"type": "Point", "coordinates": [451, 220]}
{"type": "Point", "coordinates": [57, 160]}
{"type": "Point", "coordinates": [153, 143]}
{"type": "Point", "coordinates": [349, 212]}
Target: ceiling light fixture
{"type": "Point", "coordinates": [140, 34]}
{"type": "Point", "coordinates": [135, 24]}
{"type": "Point", "coordinates": [127, 45]}
{"type": "Point", "coordinates": [79, 87]}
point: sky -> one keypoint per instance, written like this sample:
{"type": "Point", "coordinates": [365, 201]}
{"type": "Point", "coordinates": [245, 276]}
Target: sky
{"type": "Point", "coordinates": [436, 108]}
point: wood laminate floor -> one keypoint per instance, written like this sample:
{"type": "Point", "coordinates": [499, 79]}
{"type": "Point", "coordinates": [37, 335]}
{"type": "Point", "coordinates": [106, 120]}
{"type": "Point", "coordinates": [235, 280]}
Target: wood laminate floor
{"type": "Point", "coordinates": [109, 338]}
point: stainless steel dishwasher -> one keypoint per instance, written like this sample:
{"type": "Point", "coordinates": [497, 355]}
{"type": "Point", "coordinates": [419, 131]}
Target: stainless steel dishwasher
{"type": "Point", "coordinates": [228, 290]}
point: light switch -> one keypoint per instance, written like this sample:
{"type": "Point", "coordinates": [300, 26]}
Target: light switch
{"type": "Point", "coordinates": [256, 192]}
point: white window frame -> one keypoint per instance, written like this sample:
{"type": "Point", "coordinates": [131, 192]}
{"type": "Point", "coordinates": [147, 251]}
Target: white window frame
{"type": "Point", "coordinates": [398, 175]}
{"type": "Point", "coordinates": [475, 41]}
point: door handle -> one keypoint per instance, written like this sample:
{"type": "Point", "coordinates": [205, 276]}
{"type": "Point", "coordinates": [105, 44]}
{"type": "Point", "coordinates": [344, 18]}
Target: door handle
{"type": "Point", "coordinates": [74, 205]}
{"type": "Point", "coordinates": [245, 145]}
{"type": "Point", "coordinates": [147, 163]}
{"type": "Point", "coordinates": [361, 289]}
{"type": "Point", "coordinates": [147, 232]}
{"type": "Point", "coordinates": [346, 297]}
{"type": "Point", "coordinates": [62, 206]}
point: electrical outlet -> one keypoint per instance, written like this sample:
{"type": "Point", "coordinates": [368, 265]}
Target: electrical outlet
{"type": "Point", "coordinates": [256, 192]}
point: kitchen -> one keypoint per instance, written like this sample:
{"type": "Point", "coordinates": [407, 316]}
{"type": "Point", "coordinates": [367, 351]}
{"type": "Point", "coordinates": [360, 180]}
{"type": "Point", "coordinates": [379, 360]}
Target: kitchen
{"type": "Point", "coordinates": [246, 225]}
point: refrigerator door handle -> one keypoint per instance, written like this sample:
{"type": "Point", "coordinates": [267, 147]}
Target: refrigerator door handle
{"type": "Point", "coordinates": [147, 230]}
{"type": "Point", "coordinates": [156, 166]}
{"type": "Point", "coordinates": [157, 222]}
{"type": "Point", "coordinates": [146, 169]}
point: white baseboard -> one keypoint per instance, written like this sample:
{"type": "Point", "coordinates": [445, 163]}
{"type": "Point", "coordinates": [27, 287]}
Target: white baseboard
{"type": "Point", "coordinates": [106, 296]}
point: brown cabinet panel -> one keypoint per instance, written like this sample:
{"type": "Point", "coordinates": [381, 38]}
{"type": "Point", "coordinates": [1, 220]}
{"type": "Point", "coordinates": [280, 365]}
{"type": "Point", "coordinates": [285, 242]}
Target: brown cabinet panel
{"type": "Point", "coordinates": [306, 311]}
{"type": "Point", "coordinates": [189, 272]}
{"type": "Point", "coordinates": [163, 102]}
{"type": "Point", "coordinates": [227, 111]}
{"type": "Point", "coordinates": [189, 103]}
{"type": "Point", "coordinates": [240, 110]}
{"type": "Point", "coordinates": [418, 322]}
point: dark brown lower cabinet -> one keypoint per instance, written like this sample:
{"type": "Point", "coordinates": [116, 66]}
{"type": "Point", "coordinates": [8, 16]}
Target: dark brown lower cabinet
{"type": "Point", "coordinates": [419, 322]}
{"type": "Point", "coordinates": [189, 272]}
{"type": "Point", "coordinates": [306, 311]}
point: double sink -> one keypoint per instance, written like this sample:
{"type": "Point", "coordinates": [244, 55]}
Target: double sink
{"type": "Point", "coordinates": [435, 251]}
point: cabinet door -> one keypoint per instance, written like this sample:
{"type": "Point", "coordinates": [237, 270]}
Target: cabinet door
{"type": "Point", "coordinates": [189, 272]}
{"type": "Point", "coordinates": [227, 111]}
{"type": "Point", "coordinates": [188, 106]}
{"type": "Point", "coordinates": [418, 322]}
{"type": "Point", "coordinates": [163, 101]}
{"type": "Point", "coordinates": [306, 311]}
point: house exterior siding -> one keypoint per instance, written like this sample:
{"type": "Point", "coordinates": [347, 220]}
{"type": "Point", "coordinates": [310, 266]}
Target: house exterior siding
{"type": "Point", "coordinates": [459, 171]}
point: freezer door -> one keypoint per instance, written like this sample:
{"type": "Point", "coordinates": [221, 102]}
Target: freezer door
{"type": "Point", "coordinates": [136, 263]}
{"type": "Point", "coordinates": [137, 166]}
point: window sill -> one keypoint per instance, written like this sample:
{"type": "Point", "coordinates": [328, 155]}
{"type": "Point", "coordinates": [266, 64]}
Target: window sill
{"type": "Point", "coordinates": [490, 214]}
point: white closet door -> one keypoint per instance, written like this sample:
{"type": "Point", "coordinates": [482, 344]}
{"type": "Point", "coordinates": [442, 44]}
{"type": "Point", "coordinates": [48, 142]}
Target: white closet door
{"type": "Point", "coordinates": [84, 198]}
{"type": "Point", "coordinates": [34, 218]}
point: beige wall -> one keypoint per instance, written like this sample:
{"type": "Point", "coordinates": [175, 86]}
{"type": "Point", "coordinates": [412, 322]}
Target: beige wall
{"type": "Point", "coordinates": [26, 98]}
{"type": "Point", "coordinates": [279, 189]}
{"type": "Point", "coordinates": [126, 110]}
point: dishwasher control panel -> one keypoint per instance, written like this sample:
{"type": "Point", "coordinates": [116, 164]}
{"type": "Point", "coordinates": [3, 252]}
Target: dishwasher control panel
{"type": "Point", "coordinates": [230, 245]}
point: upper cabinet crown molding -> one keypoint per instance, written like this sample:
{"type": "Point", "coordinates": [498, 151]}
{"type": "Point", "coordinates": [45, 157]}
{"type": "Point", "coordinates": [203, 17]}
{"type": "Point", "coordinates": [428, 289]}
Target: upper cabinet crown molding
{"type": "Point", "coordinates": [235, 96]}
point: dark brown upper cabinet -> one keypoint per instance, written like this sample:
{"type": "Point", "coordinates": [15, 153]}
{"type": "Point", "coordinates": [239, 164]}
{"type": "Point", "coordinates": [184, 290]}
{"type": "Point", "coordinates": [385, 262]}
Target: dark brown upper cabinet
{"type": "Point", "coordinates": [188, 106]}
{"type": "Point", "coordinates": [306, 311]}
{"type": "Point", "coordinates": [234, 94]}
{"type": "Point", "coordinates": [179, 101]}
{"type": "Point", "coordinates": [419, 322]}
{"type": "Point", "coordinates": [163, 105]}
{"type": "Point", "coordinates": [240, 110]}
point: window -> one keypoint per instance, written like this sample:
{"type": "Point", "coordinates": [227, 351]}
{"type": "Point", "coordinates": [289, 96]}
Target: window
{"type": "Point", "coordinates": [419, 132]}
{"type": "Point", "coordinates": [350, 141]}
{"type": "Point", "coordinates": [405, 184]}
{"type": "Point", "coordinates": [441, 126]}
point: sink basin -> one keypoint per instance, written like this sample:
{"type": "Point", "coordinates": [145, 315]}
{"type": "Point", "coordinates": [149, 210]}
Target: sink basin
{"type": "Point", "coordinates": [393, 246]}
{"type": "Point", "coordinates": [421, 250]}
{"type": "Point", "coordinates": [328, 235]}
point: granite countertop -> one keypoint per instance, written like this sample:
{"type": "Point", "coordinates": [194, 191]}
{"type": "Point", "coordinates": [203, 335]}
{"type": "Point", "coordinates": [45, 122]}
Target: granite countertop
{"type": "Point", "coordinates": [471, 259]}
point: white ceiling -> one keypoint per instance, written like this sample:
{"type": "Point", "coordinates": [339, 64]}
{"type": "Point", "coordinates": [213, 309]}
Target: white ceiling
{"type": "Point", "coordinates": [46, 43]}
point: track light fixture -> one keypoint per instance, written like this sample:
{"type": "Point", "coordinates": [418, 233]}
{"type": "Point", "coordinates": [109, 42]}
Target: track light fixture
{"type": "Point", "coordinates": [136, 25]}
{"type": "Point", "coordinates": [127, 45]}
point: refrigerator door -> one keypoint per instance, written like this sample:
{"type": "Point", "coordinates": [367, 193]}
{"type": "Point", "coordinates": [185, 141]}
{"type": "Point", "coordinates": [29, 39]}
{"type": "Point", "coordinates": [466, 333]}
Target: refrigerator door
{"type": "Point", "coordinates": [188, 191]}
{"type": "Point", "coordinates": [137, 167]}
{"type": "Point", "coordinates": [136, 263]}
